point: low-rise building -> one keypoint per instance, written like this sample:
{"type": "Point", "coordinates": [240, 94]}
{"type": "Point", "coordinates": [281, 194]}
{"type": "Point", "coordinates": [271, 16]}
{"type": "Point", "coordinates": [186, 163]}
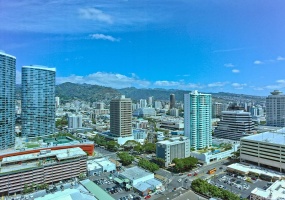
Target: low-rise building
{"type": "Point", "coordinates": [265, 150]}
{"type": "Point", "coordinates": [275, 191]}
{"type": "Point", "coordinates": [177, 147]}
{"type": "Point", "coordinates": [136, 175]}
{"type": "Point", "coordinates": [48, 166]}
{"type": "Point", "coordinates": [98, 166]}
{"type": "Point", "coordinates": [139, 134]}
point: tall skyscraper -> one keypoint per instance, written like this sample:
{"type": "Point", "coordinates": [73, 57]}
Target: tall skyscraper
{"type": "Point", "coordinates": [234, 125]}
{"type": "Point", "coordinates": [275, 109]}
{"type": "Point", "coordinates": [197, 119]}
{"type": "Point", "coordinates": [75, 121]}
{"type": "Point", "coordinates": [143, 103]}
{"type": "Point", "coordinates": [7, 100]}
{"type": "Point", "coordinates": [121, 117]}
{"type": "Point", "coordinates": [38, 101]}
{"type": "Point", "coordinates": [172, 101]}
{"type": "Point", "coordinates": [216, 110]}
{"type": "Point", "coordinates": [57, 102]}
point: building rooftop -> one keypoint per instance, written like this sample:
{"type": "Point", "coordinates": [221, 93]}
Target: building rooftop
{"type": "Point", "coordinates": [5, 54]}
{"type": "Point", "coordinates": [174, 140]}
{"type": "Point", "coordinates": [40, 67]}
{"type": "Point", "coordinates": [135, 173]}
{"type": "Point", "coordinates": [68, 194]}
{"type": "Point", "coordinates": [275, 191]}
{"type": "Point", "coordinates": [13, 163]}
{"type": "Point", "coordinates": [267, 137]}
{"type": "Point", "coordinates": [98, 192]}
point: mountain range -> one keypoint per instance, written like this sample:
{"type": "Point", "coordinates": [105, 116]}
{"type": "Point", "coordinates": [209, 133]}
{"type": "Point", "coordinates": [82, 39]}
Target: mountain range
{"type": "Point", "coordinates": [93, 93]}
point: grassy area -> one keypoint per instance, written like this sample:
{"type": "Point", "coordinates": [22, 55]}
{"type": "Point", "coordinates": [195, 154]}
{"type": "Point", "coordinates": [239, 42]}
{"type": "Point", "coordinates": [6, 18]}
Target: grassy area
{"type": "Point", "coordinates": [32, 145]}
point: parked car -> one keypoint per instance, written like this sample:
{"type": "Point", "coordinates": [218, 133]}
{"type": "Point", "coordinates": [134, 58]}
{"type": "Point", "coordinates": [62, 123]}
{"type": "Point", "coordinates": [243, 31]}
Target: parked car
{"type": "Point", "coordinates": [179, 180]}
{"type": "Point", "coordinates": [148, 196]}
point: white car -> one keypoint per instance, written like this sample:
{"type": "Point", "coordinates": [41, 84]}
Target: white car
{"type": "Point", "coordinates": [179, 180]}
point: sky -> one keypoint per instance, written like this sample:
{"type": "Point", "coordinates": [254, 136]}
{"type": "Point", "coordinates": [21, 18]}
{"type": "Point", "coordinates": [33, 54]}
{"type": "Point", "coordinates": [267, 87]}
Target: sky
{"type": "Point", "coordinates": [211, 45]}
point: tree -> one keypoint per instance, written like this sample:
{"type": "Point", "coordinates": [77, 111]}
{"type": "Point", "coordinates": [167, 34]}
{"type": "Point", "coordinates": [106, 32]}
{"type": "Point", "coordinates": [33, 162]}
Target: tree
{"type": "Point", "coordinates": [159, 161]}
{"type": "Point", "coordinates": [146, 164]}
{"type": "Point", "coordinates": [149, 147]}
{"type": "Point", "coordinates": [125, 158]}
{"type": "Point", "coordinates": [184, 164]}
{"type": "Point", "coordinates": [112, 145]}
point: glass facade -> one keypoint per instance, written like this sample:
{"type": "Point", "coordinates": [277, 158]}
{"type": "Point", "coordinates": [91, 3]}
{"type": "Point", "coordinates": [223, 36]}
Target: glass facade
{"type": "Point", "coordinates": [38, 101]}
{"type": "Point", "coordinates": [7, 100]}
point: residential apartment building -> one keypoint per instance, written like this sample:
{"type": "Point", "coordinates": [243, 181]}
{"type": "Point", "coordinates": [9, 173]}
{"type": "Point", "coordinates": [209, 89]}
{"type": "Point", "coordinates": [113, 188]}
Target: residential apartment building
{"type": "Point", "coordinates": [275, 109]}
{"type": "Point", "coordinates": [7, 100]}
{"type": "Point", "coordinates": [265, 150]}
{"type": "Point", "coordinates": [38, 101]}
{"type": "Point", "coordinates": [197, 119]}
{"type": "Point", "coordinates": [75, 121]}
{"type": "Point", "coordinates": [178, 147]}
{"type": "Point", "coordinates": [234, 125]}
{"type": "Point", "coordinates": [217, 109]}
{"type": "Point", "coordinates": [121, 117]}
{"type": "Point", "coordinates": [47, 166]}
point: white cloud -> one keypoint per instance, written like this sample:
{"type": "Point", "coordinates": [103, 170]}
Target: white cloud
{"type": "Point", "coordinates": [238, 86]}
{"type": "Point", "coordinates": [235, 71]}
{"type": "Point", "coordinates": [217, 84]}
{"type": "Point", "coordinates": [258, 62]}
{"type": "Point", "coordinates": [104, 37]}
{"type": "Point", "coordinates": [280, 58]}
{"type": "Point", "coordinates": [166, 83]}
{"type": "Point", "coordinates": [228, 65]}
{"type": "Point", "coordinates": [106, 79]}
{"type": "Point", "coordinates": [95, 14]}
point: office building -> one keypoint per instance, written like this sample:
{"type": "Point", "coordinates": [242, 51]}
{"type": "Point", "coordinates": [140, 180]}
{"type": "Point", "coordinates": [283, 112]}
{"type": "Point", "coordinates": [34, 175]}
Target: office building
{"type": "Point", "coordinates": [7, 100]}
{"type": "Point", "coordinates": [75, 121]}
{"type": "Point", "coordinates": [217, 109]}
{"type": "Point", "coordinates": [234, 125]}
{"type": "Point", "coordinates": [275, 109]}
{"type": "Point", "coordinates": [265, 150]}
{"type": "Point", "coordinates": [172, 101]}
{"type": "Point", "coordinates": [47, 166]}
{"type": "Point", "coordinates": [121, 117]}
{"type": "Point", "coordinates": [176, 147]}
{"type": "Point", "coordinates": [197, 119]}
{"type": "Point", "coordinates": [38, 101]}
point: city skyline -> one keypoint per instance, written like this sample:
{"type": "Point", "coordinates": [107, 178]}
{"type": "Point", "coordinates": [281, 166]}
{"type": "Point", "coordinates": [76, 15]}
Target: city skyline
{"type": "Point", "coordinates": [212, 46]}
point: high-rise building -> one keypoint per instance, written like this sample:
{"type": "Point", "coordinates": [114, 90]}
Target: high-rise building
{"type": "Point", "coordinates": [7, 100]}
{"type": "Point", "coordinates": [157, 105]}
{"type": "Point", "coordinates": [150, 101]}
{"type": "Point", "coordinates": [143, 103]}
{"type": "Point", "coordinates": [121, 117]}
{"type": "Point", "coordinates": [172, 101]}
{"type": "Point", "coordinates": [75, 121]}
{"type": "Point", "coordinates": [197, 119]}
{"type": "Point", "coordinates": [217, 110]}
{"type": "Point", "coordinates": [275, 109]}
{"type": "Point", "coordinates": [38, 101]}
{"type": "Point", "coordinates": [57, 102]}
{"type": "Point", "coordinates": [234, 125]}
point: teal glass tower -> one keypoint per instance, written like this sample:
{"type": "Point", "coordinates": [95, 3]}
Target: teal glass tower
{"type": "Point", "coordinates": [197, 119]}
{"type": "Point", "coordinates": [7, 100]}
{"type": "Point", "coordinates": [38, 101]}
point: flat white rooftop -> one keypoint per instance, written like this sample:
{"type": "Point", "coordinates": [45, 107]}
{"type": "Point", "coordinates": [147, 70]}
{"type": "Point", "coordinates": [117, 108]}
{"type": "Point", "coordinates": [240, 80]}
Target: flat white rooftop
{"type": "Point", "coordinates": [40, 67]}
{"type": "Point", "coordinates": [69, 194]}
{"type": "Point", "coordinates": [175, 140]}
{"type": "Point", "coordinates": [135, 173]}
{"type": "Point", "coordinates": [255, 169]}
{"type": "Point", "coordinates": [267, 137]}
{"type": "Point", "coordinates": [275, 191]}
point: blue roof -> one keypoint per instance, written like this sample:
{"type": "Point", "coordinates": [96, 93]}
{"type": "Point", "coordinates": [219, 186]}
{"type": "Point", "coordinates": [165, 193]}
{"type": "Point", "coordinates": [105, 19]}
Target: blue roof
{"type": "Point", "coordinates": [142, 186]}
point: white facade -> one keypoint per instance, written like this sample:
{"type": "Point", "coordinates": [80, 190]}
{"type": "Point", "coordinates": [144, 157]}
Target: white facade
{"type": "Point", "coordinates": [157, 105]}
{"type": "Point", "coordinates": [75, 121]}
{"type": "Point", "coordinates": [57, 102]}
{"type": "Point", "coordinates": [178, 147]}
{"type": "Point", "coordinates": [174, 112]}
{"type": "Point", "coordinates": [276, 191]}
{"type": "Point", "coordinates": [197, 119]}
{"type": "Point", "coordinates": [275, 109]}
{"type": "Point", "coordinates": [143, 103]}
{"type": "Point", "coordinates": [265, 150]}
{"type": "Point", "coordinates": [136, 175]}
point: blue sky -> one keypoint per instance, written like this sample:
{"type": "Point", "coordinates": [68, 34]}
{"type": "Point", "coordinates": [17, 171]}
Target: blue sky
{"type": "Point", "coordinates": [211, 45]}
